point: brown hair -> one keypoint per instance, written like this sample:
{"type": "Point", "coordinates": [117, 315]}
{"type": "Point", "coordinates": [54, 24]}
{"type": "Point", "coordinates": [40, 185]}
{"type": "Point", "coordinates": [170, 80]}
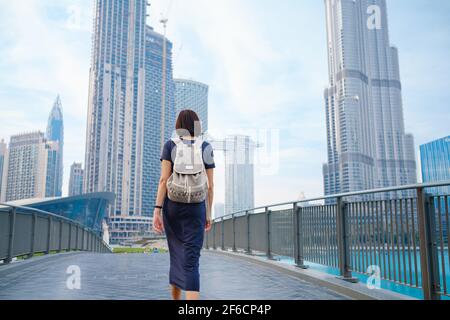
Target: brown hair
{"type": "Point", "coordinates": [188, 123]}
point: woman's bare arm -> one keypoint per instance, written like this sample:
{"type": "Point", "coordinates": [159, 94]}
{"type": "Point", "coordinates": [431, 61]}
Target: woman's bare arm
{"type": "Point", "coordinates": [166, 171]}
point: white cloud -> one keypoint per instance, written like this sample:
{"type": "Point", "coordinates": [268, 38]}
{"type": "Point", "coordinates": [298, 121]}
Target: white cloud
{"type": "Point", "coordinates": [41, 59]}
{"type": "Point", "coordinates": [243, 60]}
{"type": "Point", "coordinates": [265, 62]}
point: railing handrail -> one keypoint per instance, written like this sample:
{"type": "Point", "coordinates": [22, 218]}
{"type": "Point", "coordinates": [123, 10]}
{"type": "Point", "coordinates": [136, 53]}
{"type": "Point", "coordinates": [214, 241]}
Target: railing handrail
{"type": "Point", "coordinates": [42, 212]}
{"type": "Point", "coordinates": [353, 233]}
{"type": "Point", "coordinates": [343, 195]}
{"type": "Point", "coordinates": [93, 242]}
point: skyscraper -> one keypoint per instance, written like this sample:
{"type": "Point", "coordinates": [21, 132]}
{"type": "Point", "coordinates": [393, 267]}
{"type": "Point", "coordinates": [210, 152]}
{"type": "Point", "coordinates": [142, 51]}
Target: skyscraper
{"type": "Point", "coordinates": [151, 119]}
{"type": "Point", "coordinates": [3, 150]}
{"type": "Point", "coordinates": [55, 133]}
{"type": "Point", "coordinates": [192, 95]}
{"type": "Point", "coordinates": [367, 144]}
{"type": "Point", "coordinates": [29, 160]}
{"type": "Point", "coordinates": [116, 103]}
{"type": "Point", "coordinates": [435, 163]}
{"type": "Point", "coordinates": [76, 179]}
{"type": "Point", "coordinates": [239, 173]}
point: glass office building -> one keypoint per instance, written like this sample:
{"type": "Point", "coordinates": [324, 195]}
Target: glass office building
{"type": "Point", "coordinates": [29, 167]}
{"type": "Point", "coordinates": [192, 95]}
{"type": "Point", "coordinates": [76, 179]}
{"type": "Point", "coordinates": [88, 210]}
{"type": "Point", "coordinates": [239, 153]}
{"type": "Point", "coordinates": [150, 168]}
{"type": "Point", "coordinates": [55, 133]}
{"type": "Point", "coordinates": [435, 163]}
{"type": "Point", "coordinates": [124, 119]}
{"type": "Point", "coordinates": [116, 103]}
{"type": "Point", "coordinates": [368, 147]}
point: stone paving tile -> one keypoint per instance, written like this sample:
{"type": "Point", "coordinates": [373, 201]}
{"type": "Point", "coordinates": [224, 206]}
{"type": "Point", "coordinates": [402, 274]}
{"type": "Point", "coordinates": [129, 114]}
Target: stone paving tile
{"type": "Point", "coordinates": [142, 277]}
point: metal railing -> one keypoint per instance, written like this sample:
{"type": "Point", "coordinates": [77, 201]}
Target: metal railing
{"type": "Point", "coordinates": [27, 231]}
{"type": "Point", "coordinates": [400, 233]}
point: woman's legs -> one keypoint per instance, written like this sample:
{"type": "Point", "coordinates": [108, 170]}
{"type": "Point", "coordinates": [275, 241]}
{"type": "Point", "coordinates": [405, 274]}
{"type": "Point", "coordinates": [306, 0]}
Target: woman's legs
{"type": "Point", "coordinates": [192, 295]}
{"type": "Point", "coordinates": [176, 292]}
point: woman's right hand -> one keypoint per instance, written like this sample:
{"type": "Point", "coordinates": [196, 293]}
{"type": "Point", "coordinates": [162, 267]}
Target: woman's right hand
{"type": "Point", "coordinates": [158, 225]}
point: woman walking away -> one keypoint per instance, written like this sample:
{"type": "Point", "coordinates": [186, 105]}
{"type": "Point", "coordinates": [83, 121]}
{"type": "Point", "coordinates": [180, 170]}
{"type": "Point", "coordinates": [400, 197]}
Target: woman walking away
{"type": "Point", "coordinates": [184, 201]}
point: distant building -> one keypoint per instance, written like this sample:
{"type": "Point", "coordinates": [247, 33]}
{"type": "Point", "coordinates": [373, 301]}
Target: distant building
{"type": "Point", "coordinates": [435, 163]}
{"type": "Point", "coordinates": [123, 143]}
{"type": "Point", "coordinates": [219, 210]}
{"type": "Point", "coordinates": [239, 173]}
{"type": "Point", "coordinates": [114, 139]}
{"type": "Point", "coordinates": [88, 209]}
{"type": "Point", "coordinates": [192, 95]}
{"type": "Point", "coordinates": [149, 168]}
{"type": "Point", "coordinates": [76, 179]}
{"type": "Point", "coordinates": [3, 151]}
{"type": "Point", "coordinates": [28, 167]}
{"type": "Point", "coordinates": [55, 133]}
{"type": "Point", "coordinates": [126, 229]}
{"type": "Point", "coordinates": [366, 140]}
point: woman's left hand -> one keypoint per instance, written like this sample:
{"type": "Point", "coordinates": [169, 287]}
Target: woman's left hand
{"type": "Point", "coordinates": [208, 225]}
{"type": "Point", "coordinates": [157, 221]}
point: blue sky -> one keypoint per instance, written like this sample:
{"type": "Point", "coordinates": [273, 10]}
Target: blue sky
{"type": "Point", "coordinates": [265, 62]}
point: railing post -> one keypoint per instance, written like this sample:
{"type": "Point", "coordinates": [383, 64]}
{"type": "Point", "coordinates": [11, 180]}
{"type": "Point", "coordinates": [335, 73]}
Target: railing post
{"type": "Point", "coordinates": [343, 245]}
{"type": "Point", "coordinates": [234, 232]}
{"type": "Point", "coordinates": [12, 227]}
{"type": "Point", "coordinates": [33, 235]}
{"type": "Point", "coordinates": [223, 234]}
{"type": "Point", "coordinates": [249, 249]}
{"type": "Point", "coordinates": [268, 242]}
{"type": "Point", "coordinates": [70, 237]}
{"type": "Point", "coordinates": [49, 234]}
{"type": "Point", "coordinates": [76, 237]}
{"type": "Point", "coordinates": [61, 224]}
{"type": "Point", "coordinates": [428, 246]}
{"type": "Point", "coordinates": [298, 244]}
{"type": "Point", "coordinates": [83, 234]}
{"type": "Point", "coordinates": [214, 235]}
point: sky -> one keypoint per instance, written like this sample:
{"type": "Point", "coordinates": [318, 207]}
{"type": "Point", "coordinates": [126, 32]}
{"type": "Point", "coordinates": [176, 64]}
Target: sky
{"type": "Point", "coordinates": [264, 60]}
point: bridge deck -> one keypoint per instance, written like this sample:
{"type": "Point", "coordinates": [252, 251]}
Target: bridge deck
{"type": "Point", "coordinates": [140, 277]}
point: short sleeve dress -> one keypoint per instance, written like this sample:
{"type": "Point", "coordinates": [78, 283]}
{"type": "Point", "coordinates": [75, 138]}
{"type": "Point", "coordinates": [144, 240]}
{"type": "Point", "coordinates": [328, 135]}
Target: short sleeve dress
{"type": "Point", "coordinates": [184, 225]}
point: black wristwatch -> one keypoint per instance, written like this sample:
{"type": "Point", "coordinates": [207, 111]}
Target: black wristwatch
{"type": "Point", "coordinates": [158, 207]}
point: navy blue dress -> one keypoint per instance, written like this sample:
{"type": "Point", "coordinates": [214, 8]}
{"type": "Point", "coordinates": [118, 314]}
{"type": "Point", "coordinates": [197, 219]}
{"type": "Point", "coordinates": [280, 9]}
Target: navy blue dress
{"type": "Point", "coordinates": [184, 225]}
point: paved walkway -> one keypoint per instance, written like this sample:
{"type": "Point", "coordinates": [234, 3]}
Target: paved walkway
{"type": "Point", "coordinates": [141, 277]}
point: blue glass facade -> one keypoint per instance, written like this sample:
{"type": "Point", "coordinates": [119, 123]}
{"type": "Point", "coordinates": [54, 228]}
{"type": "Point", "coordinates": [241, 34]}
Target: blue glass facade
{"type": "Point", "coordinates": [55, 133]}
{"type": "Point", "coordinates": [76, 180]}
{"type": "Point", "coordinates": [52, 184]}
{"type": "Point", "coordinates": [89, 210]}
{"type": "Point", "coordinates": [192, 95]}
{"type": "Point", "coordinates": [113, 160]}
{"type": "Point", "coordinates": [435, 163]}
{"type": "Point", "coordinates": [152, 115]}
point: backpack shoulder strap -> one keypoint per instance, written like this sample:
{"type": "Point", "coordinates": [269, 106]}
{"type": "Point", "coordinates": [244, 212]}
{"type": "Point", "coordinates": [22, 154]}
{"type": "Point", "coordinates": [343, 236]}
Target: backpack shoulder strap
{"type": "Point", "coordinates": [176, 140]}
